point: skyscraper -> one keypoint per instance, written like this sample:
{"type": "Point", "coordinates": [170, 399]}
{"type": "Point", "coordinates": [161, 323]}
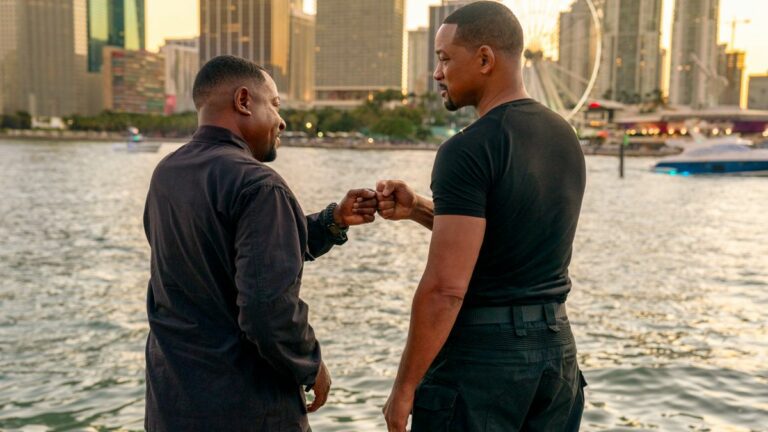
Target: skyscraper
{"type": "Point", "coordinates": [693, 76]}
{"type": "Point", "coordinates": [419, 74]}
{"type": "Point", "coordinates": [359, 49]}
{"type": "Point", "coordinates": [436, 16]}
{"type": "Point", "coordinates": [118, 23]}
{"type": "Point", "coordinates": [630, 69]}
{"type": "Point", "coordinates": [577, 47]}
{"type": "Point", "coordinates": [258, 30]}
{"type": "Point", "coordinates": [43, 56]}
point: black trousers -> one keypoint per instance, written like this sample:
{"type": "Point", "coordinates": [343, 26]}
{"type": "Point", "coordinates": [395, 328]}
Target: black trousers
{"type": "Point", "coordinates": [494, 377]}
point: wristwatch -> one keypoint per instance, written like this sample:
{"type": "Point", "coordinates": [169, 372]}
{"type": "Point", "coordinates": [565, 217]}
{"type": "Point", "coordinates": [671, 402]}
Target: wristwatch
{"type": "Point", "coordinates": [338, 234]}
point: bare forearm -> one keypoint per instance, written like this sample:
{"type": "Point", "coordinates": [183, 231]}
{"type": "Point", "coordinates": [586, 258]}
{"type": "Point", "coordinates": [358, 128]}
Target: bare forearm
{"type": "Point", "coordinates": [432, 317]}
{"type": "Point", "coordinates": [423, 212]}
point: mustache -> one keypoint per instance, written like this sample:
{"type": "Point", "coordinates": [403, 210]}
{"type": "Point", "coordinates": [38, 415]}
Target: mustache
{"type": "Point", "coordinates": [442, 87]}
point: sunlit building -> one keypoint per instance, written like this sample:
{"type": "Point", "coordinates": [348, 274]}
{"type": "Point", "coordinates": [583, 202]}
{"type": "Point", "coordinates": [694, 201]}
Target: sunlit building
{"type": "Point", "coordinates": [730, 65]}
{"type": "Point", "coordinates": [118, 23]}
{"type": "Point", "coordinates": [182, 61]}
{"type": "Point", "coordinates": [758, 92]}
{"type": "Point", "coordinates": [134, 81]}
{"type": "Point", "coordinates": [359, 49]}
{"type": "Point", "coordinates": [631, 66]}
{"type": "Point", "coordinates": [693, 73]}
{"type": "Point", "coordinates": [43, 56]}
{"type": "Point", "coordinates": [301, 67]}
{"type": "Point", "coordinates": [419, 74]}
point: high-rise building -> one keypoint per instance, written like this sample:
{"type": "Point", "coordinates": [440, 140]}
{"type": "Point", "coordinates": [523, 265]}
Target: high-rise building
{"type": "Point", "coordinates": [631, 68]}
{"type": "Point", "coordinates": [258, 30]}
{"type": "Point", "coordinates": [577, 48]}
{"type": "Point", "coordinates": [301, 65]}
{"type": "Point", "coordinates": [359, 49]}
{"type": "Point", "coordinates": [730, 66]}
{"type": "Point", "coordinates": [43, 56]}
{"type": "Point", "coordinates": [182, 61]}
{"type": "Point", "coordinates": [437, 14]}
{"type": "Point", "coordinates": [134, 81]}
{"type": "Point", "coordinates": [419, 74]}
{"type": "Point", "coordinates": [758, 92]}
{"type": "Point", "coordinates": [693, 76]}
{"type": "Point", "coordinates": [118, 23]}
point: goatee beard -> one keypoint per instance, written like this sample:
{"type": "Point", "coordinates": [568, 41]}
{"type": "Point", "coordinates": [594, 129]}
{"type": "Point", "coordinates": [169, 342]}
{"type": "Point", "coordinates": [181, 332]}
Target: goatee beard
{"type": "Point", "coordinates": [450, 105]}
{"type": "Point", "coordinates": [271, 155]}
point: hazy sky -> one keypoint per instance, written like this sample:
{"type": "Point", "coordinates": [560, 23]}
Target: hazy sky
{"type": "Point", "coordinates": [179, 18]}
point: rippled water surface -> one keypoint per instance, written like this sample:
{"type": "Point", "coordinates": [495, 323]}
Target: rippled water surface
{"type": "Point", "coordinates": [670, 306]}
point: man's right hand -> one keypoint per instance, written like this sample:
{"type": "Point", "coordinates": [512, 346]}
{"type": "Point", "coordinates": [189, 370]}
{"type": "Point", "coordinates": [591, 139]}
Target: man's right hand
{"type": "Point", "coordinates": [396, 199]}
{"type": "Point", "coordinates": [321, 388]}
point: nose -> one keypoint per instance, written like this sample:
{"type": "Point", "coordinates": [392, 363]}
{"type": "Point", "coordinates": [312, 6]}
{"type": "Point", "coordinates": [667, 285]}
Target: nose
{"type": "Point", "coordinates": [438, 74]}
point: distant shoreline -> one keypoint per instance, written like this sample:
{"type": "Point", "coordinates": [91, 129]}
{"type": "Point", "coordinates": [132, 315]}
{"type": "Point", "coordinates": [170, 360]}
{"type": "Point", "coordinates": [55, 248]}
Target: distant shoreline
{"type": "Point", "coordinates": [112, 137]}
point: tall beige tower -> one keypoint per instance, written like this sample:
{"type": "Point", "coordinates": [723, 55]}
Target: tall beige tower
{"type": "Point", "coordinates": [359, 49]}
{"type": "Point", "coordinates": [258, 30]}
{"type": "Point", "coordinates": [418, 73]}
{"type": "Point", "coordinates": [43, 56]}
{"type": "Point", "coordinates": [631, 65]}
{"type": "Point", "coordinates": [693, 76]}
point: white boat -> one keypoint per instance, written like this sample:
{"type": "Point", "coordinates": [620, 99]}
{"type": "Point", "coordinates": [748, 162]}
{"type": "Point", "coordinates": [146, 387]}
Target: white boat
{"type": "Point", "coordinates": [729, 155]}
{"type": "Point", "coordinates": [135, 143]}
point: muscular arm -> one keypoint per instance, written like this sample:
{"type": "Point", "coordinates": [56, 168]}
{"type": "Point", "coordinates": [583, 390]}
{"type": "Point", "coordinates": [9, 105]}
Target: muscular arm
{"type": "Point", "coordinates": [397, 201]}
{"type": "Point", "coordinates": [453, 252]}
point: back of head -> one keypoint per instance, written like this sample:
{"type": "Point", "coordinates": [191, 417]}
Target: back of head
{"type": "Point", "coordinates": [488, 23]}
{"type": "Point", "coordinates": [224, 70]}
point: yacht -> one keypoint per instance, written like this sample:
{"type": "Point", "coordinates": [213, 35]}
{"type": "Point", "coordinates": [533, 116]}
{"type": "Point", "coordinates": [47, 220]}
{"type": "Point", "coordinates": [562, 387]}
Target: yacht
{"type": "Point", "coordinates": [728, 155]}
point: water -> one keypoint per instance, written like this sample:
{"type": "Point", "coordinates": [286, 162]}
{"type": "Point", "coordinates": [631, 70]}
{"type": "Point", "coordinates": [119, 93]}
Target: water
{"type": "Point", "coordinates": [670, 307]}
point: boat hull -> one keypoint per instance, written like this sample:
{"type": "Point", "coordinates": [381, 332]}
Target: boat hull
{"type": "Point", "coordinates": [745, 168]}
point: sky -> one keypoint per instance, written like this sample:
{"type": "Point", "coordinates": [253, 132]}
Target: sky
{"type": "Point", "coordinates": [180, 18]}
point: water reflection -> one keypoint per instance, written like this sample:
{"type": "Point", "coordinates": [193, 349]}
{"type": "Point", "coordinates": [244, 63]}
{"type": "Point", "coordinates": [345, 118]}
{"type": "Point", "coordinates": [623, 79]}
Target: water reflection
{"type": "Point", "coordinates": [669, 307]}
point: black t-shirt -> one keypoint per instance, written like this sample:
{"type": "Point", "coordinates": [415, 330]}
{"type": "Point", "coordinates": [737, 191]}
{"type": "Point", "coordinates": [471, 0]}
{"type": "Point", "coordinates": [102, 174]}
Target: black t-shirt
{"type": "Point", "coordinates": [521, 168]}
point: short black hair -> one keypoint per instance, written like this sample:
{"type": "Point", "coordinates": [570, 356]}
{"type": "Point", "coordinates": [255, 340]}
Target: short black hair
{"type": "Point", "coordinates": [487, 23]}
{"type": "Point", "coordinates": [223, 69]}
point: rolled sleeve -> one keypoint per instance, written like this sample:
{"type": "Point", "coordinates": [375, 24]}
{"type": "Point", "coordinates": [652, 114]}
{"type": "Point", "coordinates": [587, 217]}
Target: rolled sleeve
{"type": "Point", "coordinates": [270, 251]}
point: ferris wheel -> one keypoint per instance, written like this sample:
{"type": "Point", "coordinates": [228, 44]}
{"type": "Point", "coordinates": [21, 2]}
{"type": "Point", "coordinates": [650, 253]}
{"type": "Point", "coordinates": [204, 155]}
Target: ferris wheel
{"type": "Point", "coordinates": [562, 61]}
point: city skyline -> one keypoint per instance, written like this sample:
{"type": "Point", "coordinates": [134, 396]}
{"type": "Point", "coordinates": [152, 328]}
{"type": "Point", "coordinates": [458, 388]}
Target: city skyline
{"type": "Point", "coordinates": [180, 18]}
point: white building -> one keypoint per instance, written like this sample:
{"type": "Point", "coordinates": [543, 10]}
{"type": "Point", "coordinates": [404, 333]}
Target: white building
{"type": "Point", "coordinates": [182, 61]}
{"type": "Point", "coordinates": [693, 79]}
{"type": "Point", "coordinates": [419, 74]}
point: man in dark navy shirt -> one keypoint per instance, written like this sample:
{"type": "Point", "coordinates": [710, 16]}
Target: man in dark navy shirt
{"type": "Point", "coordinates": [490, 347]}
{"type": "Point", "coordinates": [230, 346]}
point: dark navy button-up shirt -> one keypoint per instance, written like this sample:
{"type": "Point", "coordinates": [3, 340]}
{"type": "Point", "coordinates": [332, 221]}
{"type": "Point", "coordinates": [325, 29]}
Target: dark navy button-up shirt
{"type": "Point", "coordinates": [229, 345]}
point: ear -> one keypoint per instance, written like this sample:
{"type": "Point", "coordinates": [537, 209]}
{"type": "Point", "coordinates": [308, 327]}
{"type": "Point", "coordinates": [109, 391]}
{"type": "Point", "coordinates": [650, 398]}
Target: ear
{"type": "Point", "coordinates": [242, 101]}
{"type": "Point", "coordinates": [487, 59]}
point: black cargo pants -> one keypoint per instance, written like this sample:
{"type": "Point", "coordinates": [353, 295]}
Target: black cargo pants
{"type": "Point", "coordinates": [518, 375]}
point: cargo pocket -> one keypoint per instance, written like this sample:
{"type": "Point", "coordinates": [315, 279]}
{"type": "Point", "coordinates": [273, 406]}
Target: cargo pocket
{"type": "Point", "coordinates": [433, 408]}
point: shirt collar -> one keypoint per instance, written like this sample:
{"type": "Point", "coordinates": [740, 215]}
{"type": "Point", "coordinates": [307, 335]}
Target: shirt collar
{"type": "Point", "coordinates": [208, 133]}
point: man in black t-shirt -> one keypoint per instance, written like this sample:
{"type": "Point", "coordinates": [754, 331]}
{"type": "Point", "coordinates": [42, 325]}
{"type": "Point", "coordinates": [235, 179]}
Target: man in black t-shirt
{"type": "Point", "coordinates": [490, 347]}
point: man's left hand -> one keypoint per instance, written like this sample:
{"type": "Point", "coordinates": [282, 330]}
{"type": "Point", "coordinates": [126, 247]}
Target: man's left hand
{"type": "Point", "coordinates": [358, 207]}
{"type": "Point", "coordinates": [397, 409]}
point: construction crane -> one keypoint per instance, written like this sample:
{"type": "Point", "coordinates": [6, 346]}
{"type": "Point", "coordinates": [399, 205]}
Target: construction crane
{"type": "Point", "coordinates": [735, 22]}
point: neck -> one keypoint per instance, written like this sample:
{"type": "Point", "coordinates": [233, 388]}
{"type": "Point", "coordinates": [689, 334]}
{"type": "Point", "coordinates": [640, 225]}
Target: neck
{"type": "Point", "coordinates": [208, 118]}
{"type": "Point", "coordinates": [502, 90]}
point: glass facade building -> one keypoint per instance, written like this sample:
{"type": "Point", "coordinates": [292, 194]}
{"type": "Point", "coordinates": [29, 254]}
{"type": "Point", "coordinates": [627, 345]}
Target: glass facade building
{"type": "Point", "coordinates": [118, 23]}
